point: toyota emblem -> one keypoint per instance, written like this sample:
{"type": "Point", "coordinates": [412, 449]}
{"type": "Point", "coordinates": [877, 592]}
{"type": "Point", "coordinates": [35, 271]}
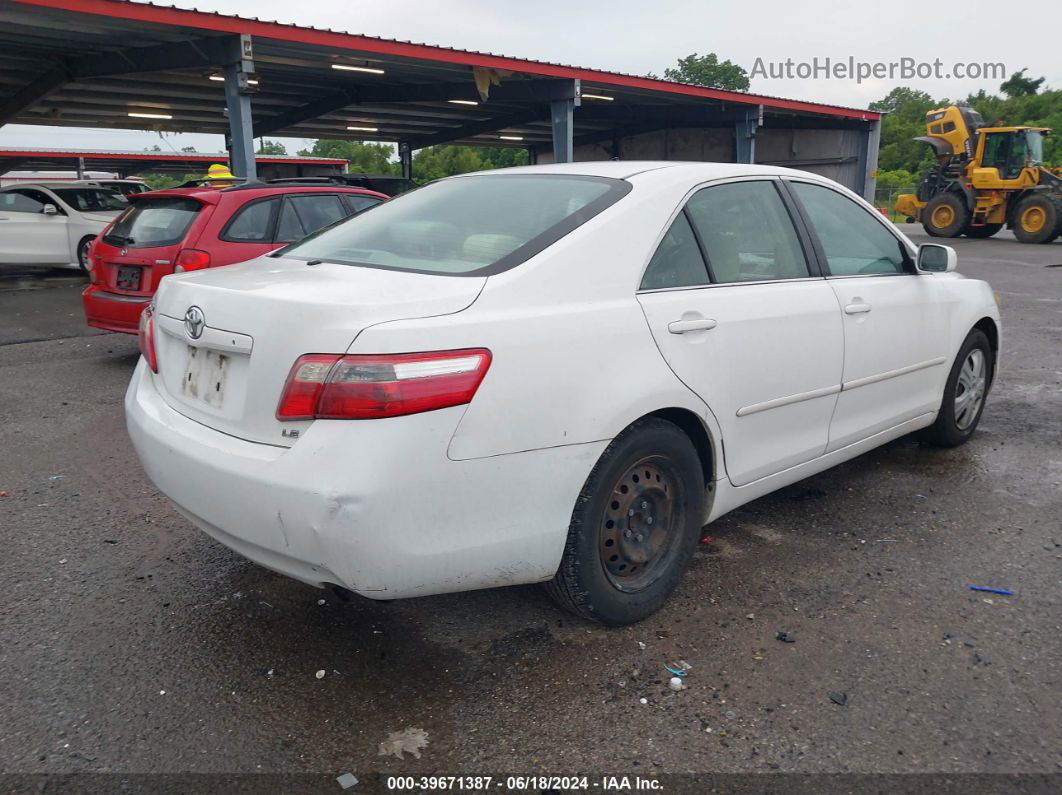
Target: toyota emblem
{"type": "Point", "coordinates": [194, 322]}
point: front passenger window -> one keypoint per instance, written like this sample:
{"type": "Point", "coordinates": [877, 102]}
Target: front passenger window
{"type": "Point", "coordinates": [854, 242]}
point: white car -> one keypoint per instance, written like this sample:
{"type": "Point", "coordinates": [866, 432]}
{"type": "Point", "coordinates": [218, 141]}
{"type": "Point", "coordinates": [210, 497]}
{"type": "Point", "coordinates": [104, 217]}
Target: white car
{"type": "Point", "coordinates": [549, 374]}
{"type": "Point", "coordinates": [54, 223]}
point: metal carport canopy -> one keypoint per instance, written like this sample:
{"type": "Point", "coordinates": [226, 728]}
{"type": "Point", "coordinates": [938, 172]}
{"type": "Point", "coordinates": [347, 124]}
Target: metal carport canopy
{"type": "Point", "coordinates": [93, 63]}
{"type": "Point", "coordinates": [129, 162]}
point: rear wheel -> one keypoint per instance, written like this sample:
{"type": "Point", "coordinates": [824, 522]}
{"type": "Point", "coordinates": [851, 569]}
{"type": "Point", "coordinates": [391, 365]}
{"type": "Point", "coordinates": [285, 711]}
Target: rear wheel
{"type": "Point", "coordinates": [83, 247]}
{"type": "Point", "coordinates": [1037, 218]}
{"type": "Point", "coordinates": [983, 231]}
{"type": "Point", "coordinates": [634, 527]}
{"type": "Point", "coordinates": [945, 215]}
{"type": "Point", "coordinates": [964, 393]}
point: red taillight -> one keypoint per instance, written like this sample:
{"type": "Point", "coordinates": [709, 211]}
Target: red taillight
{"type": "Point", "coordinates": [370, 386]}
{"type": "Point", "coordinates": [191, 259]}
{"type": "Point", "coordinates": [146, 338]}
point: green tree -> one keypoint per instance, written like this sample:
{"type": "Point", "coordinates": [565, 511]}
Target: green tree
{"type": "Point", "coordinates": [1018, 85]}
{"type": "Point", "coordinates": [436, 162]}
{"type": "Point", "coordinates": [708, 70]}
{"type": "Point", "coordinates": [370, 158]}
{"type": "Point", "coordinates": [267, 147]}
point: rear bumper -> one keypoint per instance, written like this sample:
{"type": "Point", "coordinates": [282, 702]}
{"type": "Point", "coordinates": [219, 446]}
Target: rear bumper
{"type": "Point", "coordinates": [375, 506]}
{"type": "Point", "coordinates": [112, 311]}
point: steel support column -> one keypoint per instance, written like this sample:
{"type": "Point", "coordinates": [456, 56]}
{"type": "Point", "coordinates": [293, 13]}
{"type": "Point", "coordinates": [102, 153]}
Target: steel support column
{"type": "Point", "coordinates": [238, 104]}
{"type": "Point", "coordinates": [867, 172]}
{"type": "Point", "coordinates": [562, 117]}
{"type": "Point", "coordinates": [405, 157]}
{"type": "Point", "coordinates": [745, 136]}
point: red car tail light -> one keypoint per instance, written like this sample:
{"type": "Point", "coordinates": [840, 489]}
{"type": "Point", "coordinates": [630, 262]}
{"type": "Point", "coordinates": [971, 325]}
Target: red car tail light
{"type": "Point", "coordinates": [191, 259]}
{"type": "Point", "coordinates": [371, 386]}
{"type": "Point", "coordinates": [146, 338]}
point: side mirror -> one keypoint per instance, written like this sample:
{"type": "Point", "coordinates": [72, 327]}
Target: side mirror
{"type": "Point", "coordinates": [935, 258]}
{"type": "Point", "coordinates": [50, 209]}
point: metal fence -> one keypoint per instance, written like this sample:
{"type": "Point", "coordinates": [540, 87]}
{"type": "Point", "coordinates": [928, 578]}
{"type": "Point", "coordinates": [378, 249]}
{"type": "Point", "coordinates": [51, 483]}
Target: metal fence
{"type": "Point", "coordinates": [886, 198]}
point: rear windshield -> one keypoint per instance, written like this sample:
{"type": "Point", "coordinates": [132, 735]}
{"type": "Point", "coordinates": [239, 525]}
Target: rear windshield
{"type": "Point", "coordinates": [464, 226]}
{"type": "Point", "coordinates": [89, 200]}
{"type": "Point", "coordinates": [153, 222]}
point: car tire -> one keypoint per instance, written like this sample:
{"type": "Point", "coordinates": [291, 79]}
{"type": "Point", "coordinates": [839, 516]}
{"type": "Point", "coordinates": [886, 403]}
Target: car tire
{"type": "Point", "coordinates": [945, 215]}
{"type": "Point", "coordinates": [971, 374]}
{"type": "Point", "coordinates": [1038, 218]}
{"type": "Point", "coordinates": [983, 231]}
{"type": "Point", "coordinates": [617, 567]}
{"type": "Point", "coordinates": [83, 246]}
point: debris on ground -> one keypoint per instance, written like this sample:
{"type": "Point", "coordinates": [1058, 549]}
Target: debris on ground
{"type": "Point", "coordinates": [3, 493]}
{"type": "Point", "coordinates": [410, 741]}
{"type": "Point", "coordinates": [839, 698]}
{"type": "Point", "coordinates": [707, 539]}
{"type": "Point", "coordinates": [681, 668]}
{"type": "Point", "coordinates": [320, 602]}
{"type": "Point", "coordinates": [987, 589]}
{"type": "Point", "coordinates": [641, 645]}
{"type": "Point", "coordinates": [347, 780]}
{"type": "Point", "coordinates": [675, 683]}
{"type": "Point", "coordinates": [321, 674]}
{"type": "Point", "coordinates": [643, 701]}
{"type": "Point", "coordinates": [751, 616]}
{"type": "Point", "coordinates": [785, 637]}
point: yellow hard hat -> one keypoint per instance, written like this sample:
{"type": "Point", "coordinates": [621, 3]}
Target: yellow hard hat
{"type": "Point", "coordinates": [219, 172]}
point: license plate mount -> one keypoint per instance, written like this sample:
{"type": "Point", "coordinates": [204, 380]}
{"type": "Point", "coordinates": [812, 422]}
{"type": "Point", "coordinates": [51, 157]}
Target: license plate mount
{"type": "Point", "coordinates": [204, 377]}
{"type": "Point", "coordinates": [128, 278]}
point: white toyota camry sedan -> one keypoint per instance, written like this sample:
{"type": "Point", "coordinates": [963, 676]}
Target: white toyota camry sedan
{"type": "Point", "coordinates": [549, 374]}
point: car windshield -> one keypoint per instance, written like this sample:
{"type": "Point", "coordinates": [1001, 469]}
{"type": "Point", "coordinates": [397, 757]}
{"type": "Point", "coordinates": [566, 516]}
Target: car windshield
{"type": "Point", "coordinates": [153, 222]}
{"type": "Point", "coordinates": [89, 200]}
{"type": "Point", "coordinates": [464, 226]}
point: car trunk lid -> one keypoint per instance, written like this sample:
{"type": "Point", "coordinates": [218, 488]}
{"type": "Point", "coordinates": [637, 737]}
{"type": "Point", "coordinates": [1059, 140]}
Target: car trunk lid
{"type": "Point", "coordinates": [227, 338]}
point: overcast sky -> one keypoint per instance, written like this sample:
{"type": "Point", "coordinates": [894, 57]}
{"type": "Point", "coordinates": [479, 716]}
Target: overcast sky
{"type": "Point", "coordinates": [641, 37]}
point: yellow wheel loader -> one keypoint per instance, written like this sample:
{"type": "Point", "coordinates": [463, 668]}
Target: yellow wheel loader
{"type": "Point", "coordinates": [986, 178]}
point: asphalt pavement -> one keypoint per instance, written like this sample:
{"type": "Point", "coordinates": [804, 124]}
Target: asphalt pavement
{"type": "Point", "coordinates": [130, 643]}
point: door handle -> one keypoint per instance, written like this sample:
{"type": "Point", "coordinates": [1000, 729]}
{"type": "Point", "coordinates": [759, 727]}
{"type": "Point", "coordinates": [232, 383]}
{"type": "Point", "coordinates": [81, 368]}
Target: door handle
{"type": "Point", "coordinates": [699, 324]}
{"type": "Point", "coordinates": [857, 308]}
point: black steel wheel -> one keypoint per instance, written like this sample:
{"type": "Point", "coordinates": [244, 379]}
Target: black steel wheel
{"type": "Point", "coordinates": [634, 527]}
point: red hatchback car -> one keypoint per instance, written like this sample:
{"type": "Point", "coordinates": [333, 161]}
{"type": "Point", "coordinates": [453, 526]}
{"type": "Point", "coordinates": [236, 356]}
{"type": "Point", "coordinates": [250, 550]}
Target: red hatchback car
{"type": "Point", "coordinates": [171, 231]}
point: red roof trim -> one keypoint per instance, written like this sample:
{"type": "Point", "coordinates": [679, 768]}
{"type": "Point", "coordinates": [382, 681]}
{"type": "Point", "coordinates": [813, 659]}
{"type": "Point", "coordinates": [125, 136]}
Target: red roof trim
{"type": "Point", "coordinates": [224, 23]}
{"type": "Point", "coordinates": [37, 154]}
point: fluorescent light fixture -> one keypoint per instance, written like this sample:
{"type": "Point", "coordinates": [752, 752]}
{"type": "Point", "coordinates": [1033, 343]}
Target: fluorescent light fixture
{"type": "Point", "coordinates": [348, 68]}
{"type": "Point", "coordinates": [364, 129]}
{"type": "Point", "coordinates": [138, 115]}
{"type": "Point", "coordinates": [511, 137]}
{"type": "Point", "coordinates": [462, 102]}
{"type": "Point", "coordinates": [584, 95]}
{"type": "Point", "coordinates": [221, 79]}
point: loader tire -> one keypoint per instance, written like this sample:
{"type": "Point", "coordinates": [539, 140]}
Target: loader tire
{"type": "Point", "coordinates": [1038, 218]}
{"type": "Point", "coordinates": [945, 215]}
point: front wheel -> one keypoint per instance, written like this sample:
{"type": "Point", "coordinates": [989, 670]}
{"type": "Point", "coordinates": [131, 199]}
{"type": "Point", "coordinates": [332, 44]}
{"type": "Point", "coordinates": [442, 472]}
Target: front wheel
{"type": "Point", "coordinates": [964, 393]}
{"type": "Point", "coordinates": [634, 527]}
{"type": "Point", "coordinates": [83, 252]}
{"type": "Point", "coordinates": [1038, 218]}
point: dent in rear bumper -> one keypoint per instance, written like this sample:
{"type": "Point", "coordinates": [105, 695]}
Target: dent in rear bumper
{"type": "Point", "coordinates": [370, 505]}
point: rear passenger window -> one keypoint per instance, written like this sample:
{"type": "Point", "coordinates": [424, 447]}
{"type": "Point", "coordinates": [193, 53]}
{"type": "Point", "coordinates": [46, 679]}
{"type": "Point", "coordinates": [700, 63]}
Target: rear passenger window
{"type": "Point", "coordinates": [853, 241]}
{"type": "Point", "coordinates": [290, 227]}
{"type": "Point", "coordinates": [317, 211]}
{"type": "Point", "coordinates": [746, 233]}
{"type": "Point", "coordinates": [677, 261]}
{"type": "Point", "coordinates": [253, 223]}
{"type": "Point", "coordinates": [359, 203]}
